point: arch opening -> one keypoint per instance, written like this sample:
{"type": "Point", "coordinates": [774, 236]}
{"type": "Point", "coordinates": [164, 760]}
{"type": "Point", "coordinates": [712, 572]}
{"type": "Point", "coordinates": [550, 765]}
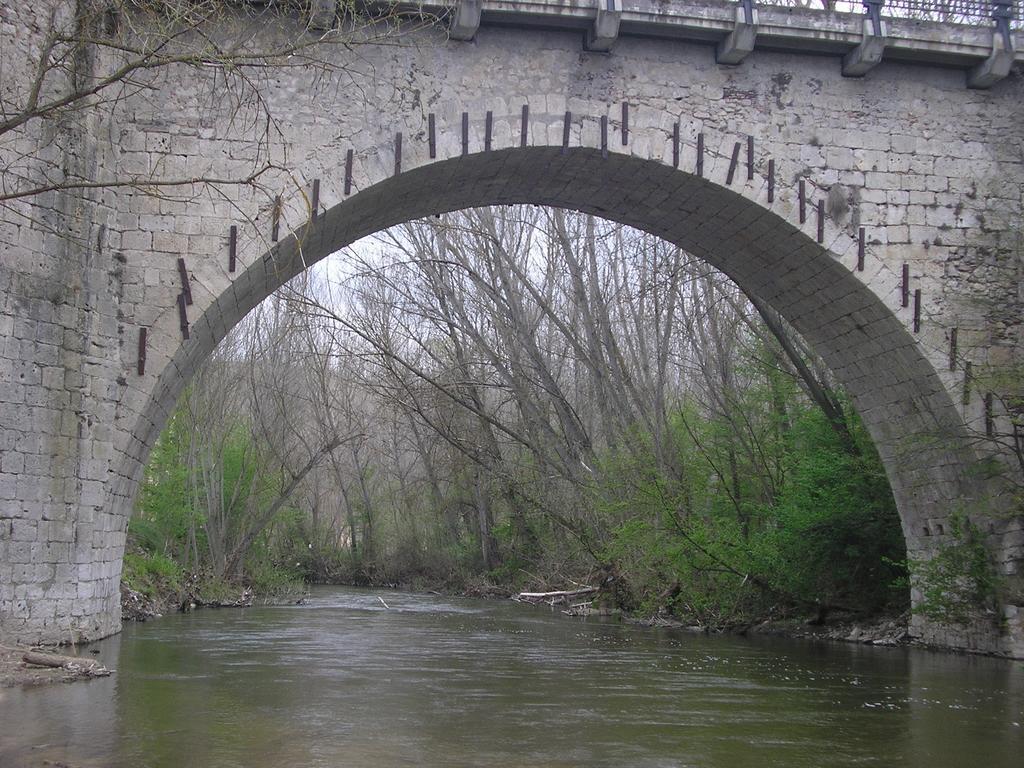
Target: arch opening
{"type": "Point", "coordinates": [893, 386]}
{"type": "Point", "coordinates": [904, 406]}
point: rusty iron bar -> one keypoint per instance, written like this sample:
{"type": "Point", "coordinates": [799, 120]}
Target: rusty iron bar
{"type": "Point", "coordinates": [315, 205]}
{"type": "Point", "coordinates": [750, 158]}
{"type": "Point", "coordinates": [183, 316]}
{"type": "Point", "coordinates": [186, 289]}
{"type": "Point", "coordinates": [905, 286]}
{"type": "Point", "coordinates": [675, 145]}
{"type": "Point", "coordinates": [700, 154]}
{"type": "Point", "coordinates": [953, 334]}
{"type": "Point", "coordinates": [465, 133]}
{"type": "Point", "coordinates": [917, 310]}
{"type": "Point", "coordinates": [860, 249]}
{"type": "Point", "coordinates": [142, 352]}
{"type": "Point", "coordinates": [771, 180]}
{"type": "Point", "coordinates": [565, 132]}
{"type": "Point", "coordinates": [524, 130]}
{"type": "Point", "coordinates": [232, 248]}
{"type": "Point", "coordinates": [968, 382]}
{"type": "Point", "coordinates": [625, 123]}
{"type": "Point", "coordinates": [604, 136]}
{"type": "Point", "coordinates": [488, 125]}
{"type": "Point", "coordinates": [990, 415]}
{"type": "Point", "coordinates": [348, 172]}
{"type": "Point", "coordinates": [398, 153]}
{"type": "Point", "coordinates": [732, 163]}
{"type": "Point", "coordinates": [275, 220]}
{"type": "Point", "coordinates": [432, 135]}
{"type": "Point", "coordinates": [821, 221]}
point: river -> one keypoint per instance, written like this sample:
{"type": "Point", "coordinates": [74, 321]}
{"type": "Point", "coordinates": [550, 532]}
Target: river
{"type": "Point", "coordinates": [432, 681]}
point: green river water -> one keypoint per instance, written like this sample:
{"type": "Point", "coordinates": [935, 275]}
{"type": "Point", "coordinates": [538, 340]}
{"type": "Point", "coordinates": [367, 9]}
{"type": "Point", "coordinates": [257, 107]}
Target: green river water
{"type": "Point", "coordinates": [342, 681]}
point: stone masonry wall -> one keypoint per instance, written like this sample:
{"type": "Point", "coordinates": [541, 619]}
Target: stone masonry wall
{"type": "Point", "coordinates": [932, 172]}
{"type": "Point", "coordinates": [59, 359]}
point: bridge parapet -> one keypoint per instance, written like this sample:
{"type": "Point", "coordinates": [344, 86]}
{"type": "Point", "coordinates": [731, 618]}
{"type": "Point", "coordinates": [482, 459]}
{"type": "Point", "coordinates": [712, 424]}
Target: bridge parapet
{"type": "Point", "coordinates": [959, 33]}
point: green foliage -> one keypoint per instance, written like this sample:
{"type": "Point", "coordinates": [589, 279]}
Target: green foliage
{"type": "Point", "coordinates": [275, 583]}
{"type": "Point", "coordinates": [818, 527]}
{"type": "Point", "coordinates": [170, 524]}
{"type": "Point", "coordinates": [834, 536]}
{"type": "Point", "coordinates": [151, 574]}
{"type": "Point", "coordinates": [165, 512]}
{"type": "Point", "coordinates": [958, 580]}
{"type": "Point", "coordinates": [213, 591]}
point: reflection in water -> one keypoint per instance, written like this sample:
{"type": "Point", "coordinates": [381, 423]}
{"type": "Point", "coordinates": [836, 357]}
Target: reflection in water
{"type": "Point", "coordinates": [46, 726]}
{"type": "Point", "coordinates": [440, 682]}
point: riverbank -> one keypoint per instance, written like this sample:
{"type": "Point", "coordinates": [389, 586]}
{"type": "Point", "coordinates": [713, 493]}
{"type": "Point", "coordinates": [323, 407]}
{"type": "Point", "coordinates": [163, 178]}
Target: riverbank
{"type": "Point", "coordinates": [871, 630]}
{"type": "Point", "coordinates": [879, 630]}
{"type": "Point", "coordinates": [876, 630]}
{"type": "Point", "coordinates": [192, 591]}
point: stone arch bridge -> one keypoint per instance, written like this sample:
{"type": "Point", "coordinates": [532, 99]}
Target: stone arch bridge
{"type": "Point", "coordinates": [866, 181]}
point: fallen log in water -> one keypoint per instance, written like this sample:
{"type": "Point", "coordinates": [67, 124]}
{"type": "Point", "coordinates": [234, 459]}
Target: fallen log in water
{"type": "Point", "coordinates": [555, 598]}
{"type": "Point", "coordinates": [76, 664]}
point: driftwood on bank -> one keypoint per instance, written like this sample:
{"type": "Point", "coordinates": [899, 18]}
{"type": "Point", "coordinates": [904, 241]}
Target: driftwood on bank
{"type": "Point", "coordinates": [75, 664]}
{"type": "Point", "coordinates": [560, 597]}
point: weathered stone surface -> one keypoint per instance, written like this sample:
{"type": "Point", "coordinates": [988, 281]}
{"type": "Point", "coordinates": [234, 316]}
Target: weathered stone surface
{"type": "Point", "coordinates": [931, 171]}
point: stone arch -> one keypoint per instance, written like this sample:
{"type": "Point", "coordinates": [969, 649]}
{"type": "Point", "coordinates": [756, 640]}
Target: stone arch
{"type": "Point", "coordinates": [931, 172]}
{"type": "Point", "coordinates": [897, 391]}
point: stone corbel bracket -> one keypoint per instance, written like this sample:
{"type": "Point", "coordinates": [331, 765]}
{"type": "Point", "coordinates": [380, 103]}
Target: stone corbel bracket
{"type": "Point", "coordinates": [740, 42]}
{"type": "Point", "coordinates": [602, 34]}
{"type": "Point", "coordinates": [998, 64]}
{"type": "Point", "coordinates": [465, 20]}
{"type": "Point", "coordinates": [868, 54]}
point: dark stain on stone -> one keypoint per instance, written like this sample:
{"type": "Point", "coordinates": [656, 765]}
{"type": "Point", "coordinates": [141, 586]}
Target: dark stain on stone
{"type": "Point", "coordinates": [838, 202]}
{"type": "Point", "coordinates": [779, 86]}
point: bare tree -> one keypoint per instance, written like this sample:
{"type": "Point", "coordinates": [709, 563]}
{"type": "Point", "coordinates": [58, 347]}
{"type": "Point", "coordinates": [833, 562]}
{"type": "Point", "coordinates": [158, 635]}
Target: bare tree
{"type": "Point", "coordinates": [66, 66]}
{"type": "Point", "coordinates": [259, 416]}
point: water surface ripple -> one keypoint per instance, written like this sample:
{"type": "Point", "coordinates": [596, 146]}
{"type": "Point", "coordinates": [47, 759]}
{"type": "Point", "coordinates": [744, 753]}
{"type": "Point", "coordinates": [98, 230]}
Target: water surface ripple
{"type": "Point", "coordinates": [432, 681]}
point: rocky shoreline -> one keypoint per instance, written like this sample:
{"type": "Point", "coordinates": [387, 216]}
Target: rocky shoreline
{"type": "Point", "coordinates": [880, 630]}
{"type": "Point", "coordinates": [883, 631]}
{"type": "Point", "coordinates": [136, 606]}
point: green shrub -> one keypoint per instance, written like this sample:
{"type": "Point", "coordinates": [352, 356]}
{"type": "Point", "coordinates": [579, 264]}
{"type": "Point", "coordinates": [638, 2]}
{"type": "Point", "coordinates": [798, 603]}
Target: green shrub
{"type": "Point", "coordinates": [151, 573]}
{"type": "Point", "coordinates": [958, 581]}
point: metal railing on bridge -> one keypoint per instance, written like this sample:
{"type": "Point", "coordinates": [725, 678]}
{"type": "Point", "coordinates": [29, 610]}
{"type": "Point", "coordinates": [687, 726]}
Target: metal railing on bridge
{"type": "Point", "coordinates": [969, 12]}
